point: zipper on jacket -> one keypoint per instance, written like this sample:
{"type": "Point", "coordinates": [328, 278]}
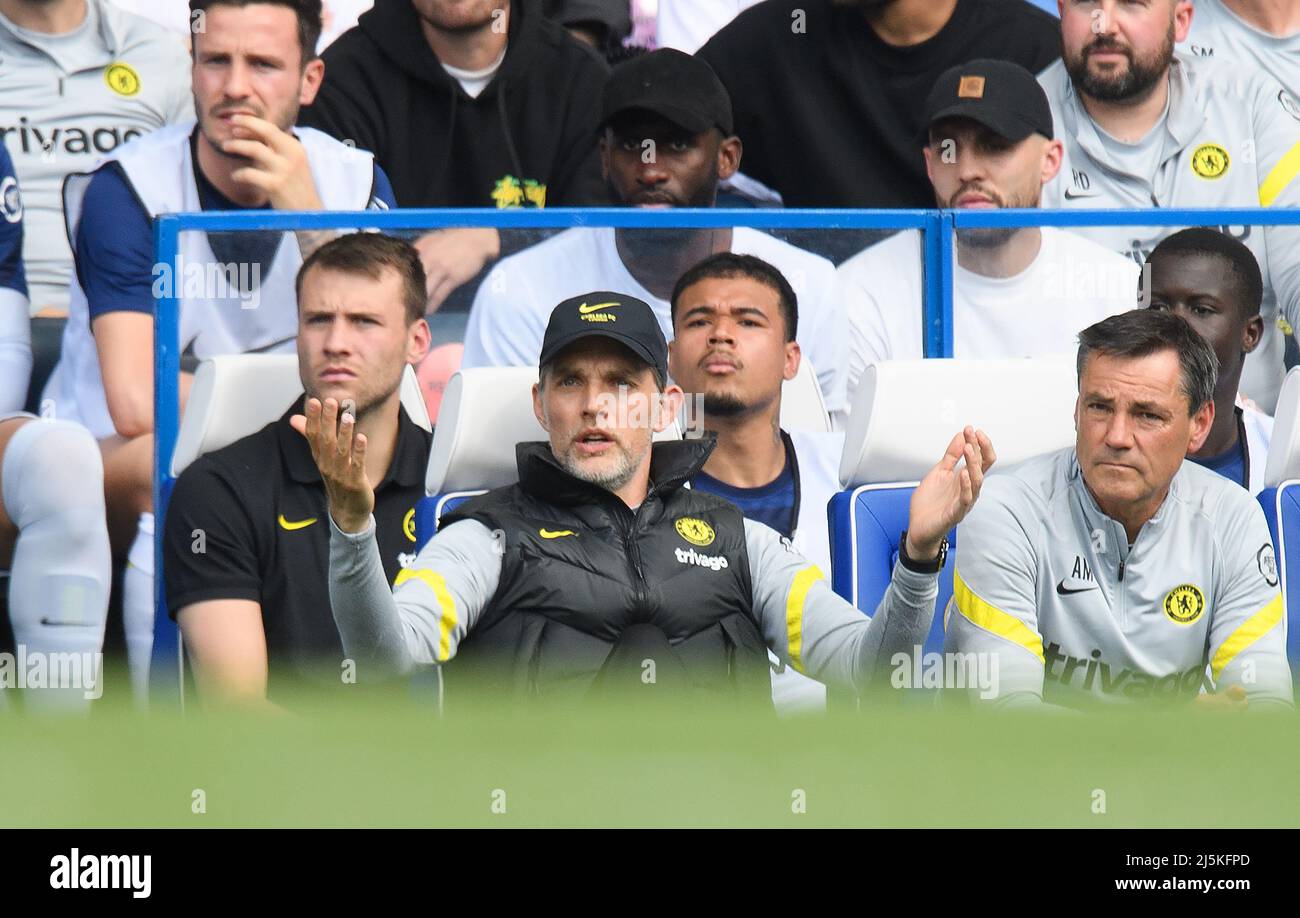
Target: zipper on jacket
{"type": "Point", "coordinates": [632, 551]}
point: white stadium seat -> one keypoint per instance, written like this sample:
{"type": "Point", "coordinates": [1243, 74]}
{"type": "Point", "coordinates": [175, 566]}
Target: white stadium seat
{"type": "Point", "coordinates": [905, 412]}
{"type": "Point", "coordinates": [485, 412]}
{"type": "Point", "coordinates": [238, 394]}
{"type": "Point", "coordinates": [802, 407]}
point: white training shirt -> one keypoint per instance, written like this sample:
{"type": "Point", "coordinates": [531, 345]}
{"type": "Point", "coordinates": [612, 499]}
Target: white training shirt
{"type": "Point", "coordinates": [515, 300]}
{"type": "Point", "coordinates": [1233, 140]}
{"type": "Point", "coordinates": [1039, 312]}
{"type": "Point", "coordinates": [121, 76]}
{"type": "Point", "coordinates": [1220, 33]}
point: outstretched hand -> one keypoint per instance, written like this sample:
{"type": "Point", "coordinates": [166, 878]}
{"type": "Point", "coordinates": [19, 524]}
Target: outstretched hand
{"type": "Point", "coordinates": [947, 493]}
{"type": "Point", "coordinates": [340, 455]}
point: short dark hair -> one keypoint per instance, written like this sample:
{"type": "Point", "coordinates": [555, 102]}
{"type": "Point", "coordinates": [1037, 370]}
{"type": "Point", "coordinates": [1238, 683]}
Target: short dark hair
{"type": "Point", "coordinates": [307, 11]}
{"type": "Point", "coordinates": [1242, 267]}
{"type": "Point", "coordinates": [368, 254]}
{"type": "Point", "coordinates": [729, 265]}
{"type": "Point", "coordinates": [1142, 332]}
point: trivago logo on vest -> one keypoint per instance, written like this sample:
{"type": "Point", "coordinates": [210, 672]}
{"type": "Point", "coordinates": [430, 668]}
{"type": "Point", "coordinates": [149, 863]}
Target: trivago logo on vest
{"type": "Point", "coordinates": [92, 140]}
{"type": "Point", "coordinates": [103, 871]}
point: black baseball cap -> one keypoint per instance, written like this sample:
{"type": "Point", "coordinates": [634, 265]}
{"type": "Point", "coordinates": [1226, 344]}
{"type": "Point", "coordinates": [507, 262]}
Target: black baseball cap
{"type": "Point", "coordinates": [1002, 96]}
{"type": "Point", "coordinates": [669, 83]}
{"type": "Point", "coordinates": [629, 321]}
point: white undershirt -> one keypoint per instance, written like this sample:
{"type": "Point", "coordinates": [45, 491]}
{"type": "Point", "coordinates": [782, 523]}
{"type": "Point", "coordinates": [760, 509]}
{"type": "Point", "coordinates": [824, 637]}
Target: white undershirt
{"type": "Point", "coordinates": [475, 81]}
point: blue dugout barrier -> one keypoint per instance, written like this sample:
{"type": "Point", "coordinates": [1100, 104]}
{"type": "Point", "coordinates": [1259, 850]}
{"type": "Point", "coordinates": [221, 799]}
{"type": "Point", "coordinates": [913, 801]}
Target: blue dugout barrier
{"type": "Point", "coordinates": [937, 227]}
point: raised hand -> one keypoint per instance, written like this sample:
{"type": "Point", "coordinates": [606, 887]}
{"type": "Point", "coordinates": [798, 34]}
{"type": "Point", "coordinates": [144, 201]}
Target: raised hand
{"type": "Point", "coordinates": [946, 493]}
{"type": "Point", "coordinates": [340, 455]}
{"type": "Point", "coordinates": [277, 166]}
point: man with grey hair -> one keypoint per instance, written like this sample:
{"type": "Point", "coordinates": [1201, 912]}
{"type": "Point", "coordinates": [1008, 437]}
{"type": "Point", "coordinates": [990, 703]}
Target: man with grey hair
{"type": "Point", "coordinates": [599, 569]}
{"type": "Point", "coordinates": [1113, 570]}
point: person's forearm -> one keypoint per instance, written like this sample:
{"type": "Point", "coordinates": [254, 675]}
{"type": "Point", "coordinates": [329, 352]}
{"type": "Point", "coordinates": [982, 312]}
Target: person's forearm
{"type": "Point", "coordinates": [364, 608]}
{"type": "Point", "coordinates": [311, 240]}
{"type": "Point", "coordinates": [900, 624]}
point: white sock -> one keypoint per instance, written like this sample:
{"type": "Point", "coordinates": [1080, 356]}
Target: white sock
{"type": "Point", "coordinates": [60, 577]}
{"type": "Point", "coordinates": [138, 607]}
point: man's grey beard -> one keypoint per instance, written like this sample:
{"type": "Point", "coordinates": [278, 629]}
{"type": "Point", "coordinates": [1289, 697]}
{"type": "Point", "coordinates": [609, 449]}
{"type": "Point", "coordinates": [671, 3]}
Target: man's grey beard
{"type": "Point", "coordinates": [611, 480]}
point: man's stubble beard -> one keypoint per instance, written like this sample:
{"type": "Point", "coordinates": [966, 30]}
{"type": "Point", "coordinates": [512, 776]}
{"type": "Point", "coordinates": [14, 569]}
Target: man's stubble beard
{"type": "Point", "coordinates": [285, 123]}
{"type": "Point", "coordinates": [997, 236]}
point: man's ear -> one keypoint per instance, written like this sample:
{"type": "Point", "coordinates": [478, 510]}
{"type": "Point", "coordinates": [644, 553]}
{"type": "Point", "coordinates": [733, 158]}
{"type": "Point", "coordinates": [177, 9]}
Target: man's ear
{"type": "Point", "coordinates": [670, 406]}
{"type": "Point", "coordinates": [1251, 334]}
{"type": "Point", "coordinates": [1053, 154]}
{"type": "Point", "coordinates": [929, 163]}
{"type": "Point", "coordinates": [1182, 20]}
{"type": "Point", "coordinates": [729, 154]}
{"type": "Point", "coordinates": [312, 76]}
{"type": "Point", "coordinates": [417, 342]}
{"type": "Point", "coordinates": [1202, 421]}
{"type": "Point", "coordinates": [793, 357]}
{"type": "Point", "coordinates": [538, 411]}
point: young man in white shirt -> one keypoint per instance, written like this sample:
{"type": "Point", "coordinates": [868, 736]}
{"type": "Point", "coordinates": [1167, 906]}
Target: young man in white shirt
{"type": "Point", "coordinates": [1016, 292]}
{"type": "Point", "coordinates": [667, 142]}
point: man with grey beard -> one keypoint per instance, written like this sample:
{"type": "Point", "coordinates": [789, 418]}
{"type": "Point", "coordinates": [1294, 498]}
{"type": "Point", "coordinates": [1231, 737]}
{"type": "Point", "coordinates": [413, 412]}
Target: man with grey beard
{"type": "Point", "coordinates": [599, 571]}
{"type": "Point", "coordinates": [1017, 292]}
{"type": "Point", "coordinates": [825, 92]}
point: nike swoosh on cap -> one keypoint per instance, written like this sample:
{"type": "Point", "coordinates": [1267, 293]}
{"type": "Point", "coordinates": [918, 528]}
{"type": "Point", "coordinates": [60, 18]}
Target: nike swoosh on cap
{"type": "Point", "coordinates": [297, 524]}
{"type": "Point", "coordinates": [556, 534]}
{"type": "Point", "coordinates": [1063, 590]}
{"type": "Point", "coordinates": [595, 307]}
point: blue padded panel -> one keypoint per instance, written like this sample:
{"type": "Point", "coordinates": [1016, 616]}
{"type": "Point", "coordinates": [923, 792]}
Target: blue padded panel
{"type": "Point", "coordinates": [1282, 511]}
{"type": "Point", "coordinates": [865, 525]}
{"type": "Point", "coordinates": [429, 510]}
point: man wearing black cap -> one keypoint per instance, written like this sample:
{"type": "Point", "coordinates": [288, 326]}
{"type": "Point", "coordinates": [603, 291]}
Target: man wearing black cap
{"type": "Point", "coordinates": [1024, 292]}
{"type": "Point", "coordinates": [666, 141]}
{"type": "Point", "coordinates": [598, 569]}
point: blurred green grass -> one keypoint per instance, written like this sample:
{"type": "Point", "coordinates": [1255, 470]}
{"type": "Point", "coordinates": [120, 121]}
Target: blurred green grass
{"type": "Point", "coordinates": [381, 759]}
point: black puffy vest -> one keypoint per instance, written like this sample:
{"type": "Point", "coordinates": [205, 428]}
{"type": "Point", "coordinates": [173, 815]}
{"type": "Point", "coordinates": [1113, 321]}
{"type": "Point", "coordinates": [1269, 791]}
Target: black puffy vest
{"type": "Point", "coordinates": [594, 597]}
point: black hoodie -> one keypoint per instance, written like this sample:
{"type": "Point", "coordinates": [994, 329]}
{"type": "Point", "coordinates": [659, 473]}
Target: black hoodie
{"type": "Point", "coordinates": [830, 114]}
{"type": "Point", "coordinates": [529, 139]}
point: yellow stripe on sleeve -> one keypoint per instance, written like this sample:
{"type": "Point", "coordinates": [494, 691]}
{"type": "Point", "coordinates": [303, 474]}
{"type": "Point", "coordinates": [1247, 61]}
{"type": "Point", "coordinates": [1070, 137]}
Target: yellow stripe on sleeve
{"type": "Point", "coordinates": [1280, 176]}
{"type": "Point", "coordinates": [1247, 633]}
{"type": "Point", "coordinates": [992, 619]}
{"type": "Point", "coordinates": [794, 603]}
{"type": "Point", "coordinates": [447, 619]}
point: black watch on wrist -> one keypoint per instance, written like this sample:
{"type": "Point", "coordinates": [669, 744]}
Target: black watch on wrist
{"type": "Point", "coordinates": [922, 567]}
